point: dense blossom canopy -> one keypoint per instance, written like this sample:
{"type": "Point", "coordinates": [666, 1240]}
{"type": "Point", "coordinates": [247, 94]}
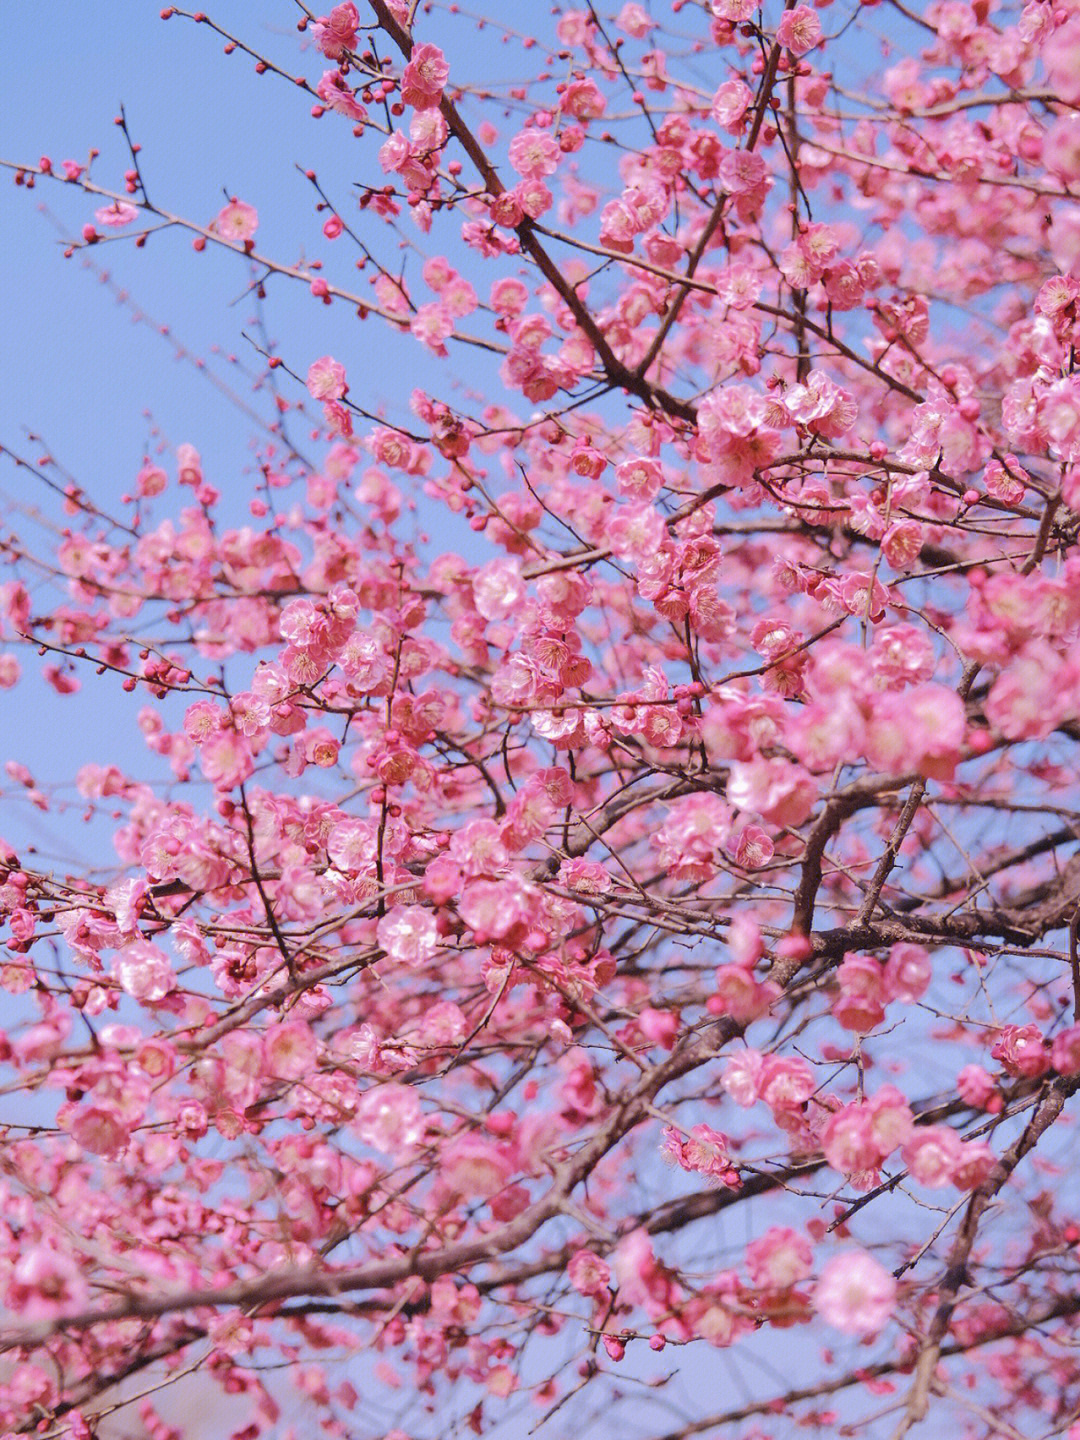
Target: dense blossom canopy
{"type": "Point", "coordinates": [611, 887]}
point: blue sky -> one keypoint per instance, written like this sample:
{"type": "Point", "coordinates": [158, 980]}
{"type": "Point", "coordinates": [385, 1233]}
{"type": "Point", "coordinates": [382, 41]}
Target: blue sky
{"type": "Point", "coordinates": [101, 387]}
{"type": "Point", "coordinates": [94, 377]}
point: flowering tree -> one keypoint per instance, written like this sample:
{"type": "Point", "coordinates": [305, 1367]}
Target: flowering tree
{"type": "Point", "coordinates": [703, 792]}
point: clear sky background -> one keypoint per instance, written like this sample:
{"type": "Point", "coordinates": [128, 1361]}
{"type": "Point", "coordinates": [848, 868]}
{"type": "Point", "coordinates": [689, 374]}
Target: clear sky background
{"type": "Point", "coordinates": [94, 377]}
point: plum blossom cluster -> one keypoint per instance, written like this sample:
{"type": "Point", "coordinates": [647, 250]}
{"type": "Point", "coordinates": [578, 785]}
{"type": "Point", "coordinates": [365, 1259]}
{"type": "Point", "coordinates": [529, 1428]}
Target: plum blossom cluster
{"type": "Point", "coordinates": [621, 777]}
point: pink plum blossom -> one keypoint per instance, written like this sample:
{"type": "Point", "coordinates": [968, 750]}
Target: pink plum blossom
{"type": "Point", "coordinates": [799, 30]}
{"type": "Point", "coordinates": [237, 222]}
{"type": "Point", "coordinates": [335, 33]}
{"type": "Point", "coordinates": [855, 1294]}
{"type": "Point", "coordinates": [588, 1273]}
{"type": "Point", "coordinates": [326, 379]}
{"type": "Point", "coordinates": [424, 77]}
{"type": "Point", "coordinates": [116, 215]}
